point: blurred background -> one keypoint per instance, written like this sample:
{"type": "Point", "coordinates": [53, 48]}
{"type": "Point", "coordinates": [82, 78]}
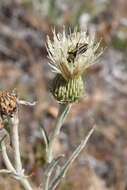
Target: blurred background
{"type": "Point", "coordinates": [24, 25]}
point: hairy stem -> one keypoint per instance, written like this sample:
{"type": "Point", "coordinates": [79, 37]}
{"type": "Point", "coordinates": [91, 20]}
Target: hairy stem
{"type": "Point", "coordinates": [63, 110]}
{"type": "Point", "coordinates": [15, 142]}
{"type": "Point", "coordinates": [17, 157]}
{"type": "Point", "coordinates": [24, 182]}
{"type": "Point", "coordinates": [6, 159]}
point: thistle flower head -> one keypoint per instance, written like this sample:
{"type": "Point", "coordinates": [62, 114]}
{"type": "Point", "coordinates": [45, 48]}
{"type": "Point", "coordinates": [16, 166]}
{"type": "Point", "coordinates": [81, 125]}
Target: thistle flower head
{"type": "Point", "coordinates": [71, 54]}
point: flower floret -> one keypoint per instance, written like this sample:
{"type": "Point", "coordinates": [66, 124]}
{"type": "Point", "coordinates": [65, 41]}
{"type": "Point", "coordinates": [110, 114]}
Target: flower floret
{"type": "Point", "coordinates": [71, 54]}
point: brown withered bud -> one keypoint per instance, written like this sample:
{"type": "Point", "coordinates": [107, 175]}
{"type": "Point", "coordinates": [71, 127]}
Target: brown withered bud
{"type": "Point", "coordinates": [8, 103]}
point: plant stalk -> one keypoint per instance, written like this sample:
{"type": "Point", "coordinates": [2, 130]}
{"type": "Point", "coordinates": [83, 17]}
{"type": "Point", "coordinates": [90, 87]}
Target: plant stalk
{"type": "Point", "coordinates": [17, 157]}
{"type": "Point", "coordinates": [15, 142]}
{"type": "Point", "coordinates": [63, 110]}
{"type": "Point", "coordinates": [6, 159]}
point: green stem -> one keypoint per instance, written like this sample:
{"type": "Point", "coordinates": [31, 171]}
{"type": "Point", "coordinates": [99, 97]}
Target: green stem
{"type": "Point", "coordinates": [63, 110]}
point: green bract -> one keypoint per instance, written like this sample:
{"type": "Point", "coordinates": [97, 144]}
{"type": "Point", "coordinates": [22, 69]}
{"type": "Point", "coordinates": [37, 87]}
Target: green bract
{"type": "Point", "coordinates": [67, 91]}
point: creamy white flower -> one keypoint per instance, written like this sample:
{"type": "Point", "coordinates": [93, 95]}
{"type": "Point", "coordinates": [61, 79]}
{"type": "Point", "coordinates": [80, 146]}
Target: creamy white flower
{"type": "Point", "coordinates": [71, 54]}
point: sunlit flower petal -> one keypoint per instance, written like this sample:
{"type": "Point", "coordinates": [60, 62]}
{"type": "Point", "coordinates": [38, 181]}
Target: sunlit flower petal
{"type": "Point", "coordinates": [72, 54]}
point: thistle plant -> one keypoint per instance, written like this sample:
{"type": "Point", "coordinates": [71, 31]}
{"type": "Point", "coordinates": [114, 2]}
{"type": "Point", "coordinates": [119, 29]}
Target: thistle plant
{"type": "Point", "coordinates": [70, 56]}
{"type": "Point", "coordinates": [9, 103]}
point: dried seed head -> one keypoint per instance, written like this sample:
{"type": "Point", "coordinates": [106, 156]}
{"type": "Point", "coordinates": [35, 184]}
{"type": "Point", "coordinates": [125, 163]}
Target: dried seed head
{"type": "Point", "coordinates": [8, 103]}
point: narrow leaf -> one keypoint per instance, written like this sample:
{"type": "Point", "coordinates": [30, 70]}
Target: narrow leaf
{"type": "Point", "coordinates": [69, 162]}
{"type": "Point", "coordinates": [45, 136]}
